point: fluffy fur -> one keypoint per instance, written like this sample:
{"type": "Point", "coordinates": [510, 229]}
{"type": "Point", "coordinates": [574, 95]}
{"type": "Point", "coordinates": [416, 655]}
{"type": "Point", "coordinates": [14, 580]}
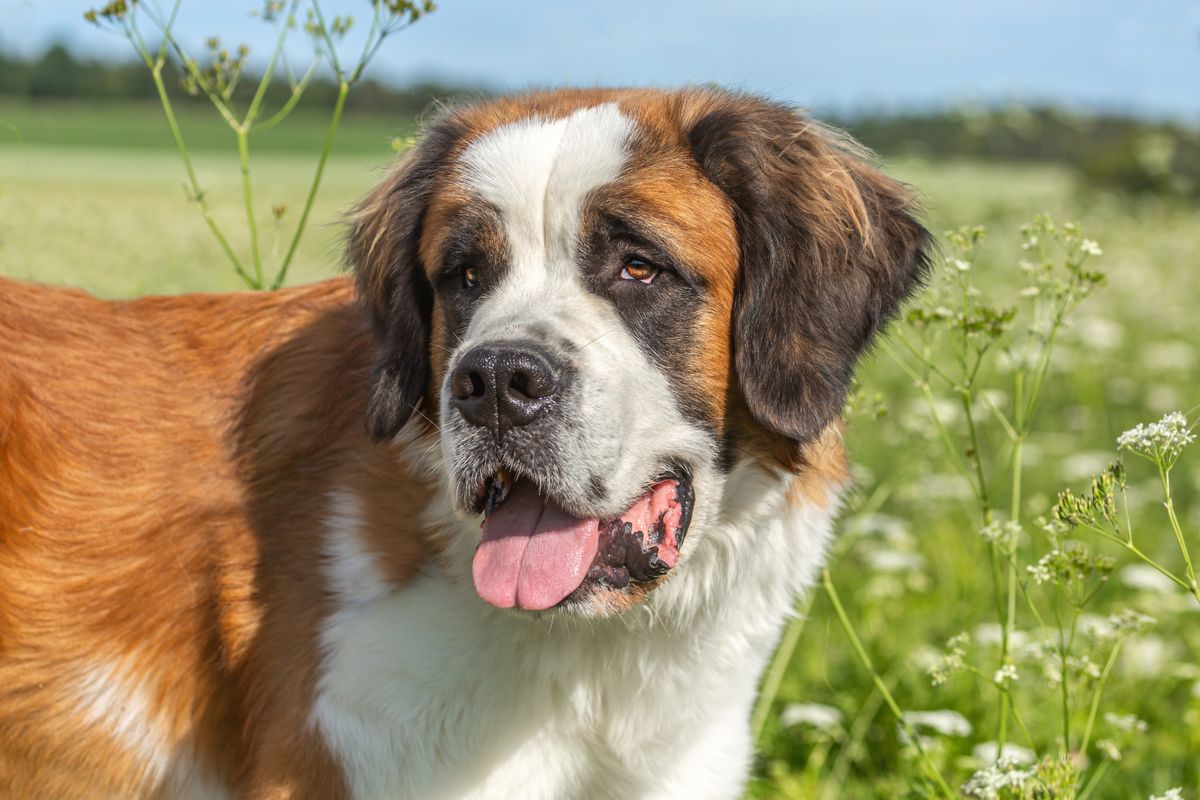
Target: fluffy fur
{"type": "Point", "coordinates": [236, 531]}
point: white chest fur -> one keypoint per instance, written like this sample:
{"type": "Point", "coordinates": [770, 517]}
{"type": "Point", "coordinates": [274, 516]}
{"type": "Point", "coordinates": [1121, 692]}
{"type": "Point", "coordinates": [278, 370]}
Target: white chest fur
{"type": "Point", "coordinates": [427, 692]}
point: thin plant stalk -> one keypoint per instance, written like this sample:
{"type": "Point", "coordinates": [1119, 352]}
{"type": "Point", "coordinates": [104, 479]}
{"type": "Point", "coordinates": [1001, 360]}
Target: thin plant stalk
{"type": "Point", "coordinates": [248, 202]}
{"type": "Point", "coordinates": [778, 667]}
{"type": "Point", "coordinates": [219, 88]}
{"type": "Point", "coordinates": [156, 67]}
{"type": "Point", "coordinates": [281, 275]}
{"type": "Point", "coordinates": [1164, 475]}
{"type": "Point", "coordinates": [1095, 707]}
{"type": "Point", "coordinates": [931, 771]}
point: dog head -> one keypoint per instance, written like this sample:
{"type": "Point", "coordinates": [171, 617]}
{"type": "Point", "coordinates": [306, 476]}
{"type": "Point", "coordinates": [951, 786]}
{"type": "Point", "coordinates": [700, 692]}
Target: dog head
{"type": "Point", "coordinates": [603, 300]}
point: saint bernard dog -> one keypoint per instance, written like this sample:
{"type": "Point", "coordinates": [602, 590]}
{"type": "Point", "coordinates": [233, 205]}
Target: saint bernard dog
{"type": "Point", "coordinates": [518, 511]}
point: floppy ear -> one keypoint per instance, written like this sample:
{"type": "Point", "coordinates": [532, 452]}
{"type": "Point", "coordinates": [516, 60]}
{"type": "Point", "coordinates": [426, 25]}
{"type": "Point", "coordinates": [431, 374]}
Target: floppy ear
{"type": "Point", "coordinates": [383, 249]}
{"type": "Point", "coordinates": [829, 249]}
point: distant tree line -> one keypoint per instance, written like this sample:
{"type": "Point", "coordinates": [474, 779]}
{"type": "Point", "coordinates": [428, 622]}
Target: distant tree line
{"type": "Point", "coordinates": [1108, 150]}
{"type": "Point", "coordinates": [59, 74]}
{"type": "Point", "coordinates": [1115, 151]}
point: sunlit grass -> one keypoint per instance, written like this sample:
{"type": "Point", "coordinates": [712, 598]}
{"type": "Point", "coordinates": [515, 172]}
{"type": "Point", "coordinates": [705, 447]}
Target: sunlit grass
{"type": "Point", "coordinates": [132, 125]}
{"type": "Point", "coordinates": [914, 570]}
{"type": "Point", "coordinates": [120, 223]}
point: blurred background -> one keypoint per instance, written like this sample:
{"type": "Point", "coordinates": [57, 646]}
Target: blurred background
{"type": "Point", "coordinates": [1106, 94]}
{"type": "Point", "coordinates": [1088, 110]}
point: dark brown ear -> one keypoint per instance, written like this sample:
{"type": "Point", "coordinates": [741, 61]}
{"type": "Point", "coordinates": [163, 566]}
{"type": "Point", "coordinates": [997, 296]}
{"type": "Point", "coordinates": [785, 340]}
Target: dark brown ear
{"type": "Point", "coordinates": [383, 251]}
{"type": "Point", "coordinates": [829, 248]}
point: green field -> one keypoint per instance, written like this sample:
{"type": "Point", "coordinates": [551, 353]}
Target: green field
{"type": "Point", "coordinates": [133, 125]}
{"type": "Point", "coordinates": [94, 198]}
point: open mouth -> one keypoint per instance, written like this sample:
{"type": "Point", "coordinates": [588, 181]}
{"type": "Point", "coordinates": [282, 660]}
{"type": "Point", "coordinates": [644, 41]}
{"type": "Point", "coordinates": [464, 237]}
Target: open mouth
{"type": "Point", "coordinates": [534, 554]}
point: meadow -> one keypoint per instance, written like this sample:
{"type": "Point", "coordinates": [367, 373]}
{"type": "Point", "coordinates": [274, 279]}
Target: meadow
{"type": "Point", "coordinates": [92, 196]}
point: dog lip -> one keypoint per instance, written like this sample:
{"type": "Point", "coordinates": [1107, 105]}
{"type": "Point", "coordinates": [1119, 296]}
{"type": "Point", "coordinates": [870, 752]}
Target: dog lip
{"type": "Point", "coordinates": [627, 556]}
{"type": "Point", "coordinates": [492, 491]}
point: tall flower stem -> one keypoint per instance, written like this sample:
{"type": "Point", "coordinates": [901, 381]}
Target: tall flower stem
{"type": "Point", "coordinates": [930, 770]}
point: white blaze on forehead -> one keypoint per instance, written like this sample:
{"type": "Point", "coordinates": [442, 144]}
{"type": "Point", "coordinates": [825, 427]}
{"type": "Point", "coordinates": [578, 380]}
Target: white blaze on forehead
{"type": "Point", "coordinates": [538, 172]}
{"type": "Point", "coordinates": [620, 418]}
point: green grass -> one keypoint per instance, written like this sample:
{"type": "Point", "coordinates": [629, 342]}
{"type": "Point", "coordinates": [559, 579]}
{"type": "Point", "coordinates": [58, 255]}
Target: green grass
{"type": "Point", "coordinates": [138, 126]}
{"type": "Point", "coordinates": [1130, 355]}
{"type": "Point", "coordinates": [104, 209]}
{"type": "Point", "coordinates": [119, 223]}
{"type": "Point", "coordinates": [82, 177]}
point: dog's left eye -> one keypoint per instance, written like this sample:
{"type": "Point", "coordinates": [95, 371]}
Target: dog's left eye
{"type": "Point", "coordinates": [470, 277]}
{"type": "Point", "coordinates": [637, 269]}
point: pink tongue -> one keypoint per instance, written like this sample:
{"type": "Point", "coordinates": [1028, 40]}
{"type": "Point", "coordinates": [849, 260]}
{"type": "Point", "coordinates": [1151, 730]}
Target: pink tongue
{"type": "Point", "coordinates": [533, 554]}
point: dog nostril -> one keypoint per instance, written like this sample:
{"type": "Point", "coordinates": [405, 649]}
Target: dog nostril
{"type": "Point", "coordinates": [532, 386]}
{"type": "Point", "coordinates": [468, 384]}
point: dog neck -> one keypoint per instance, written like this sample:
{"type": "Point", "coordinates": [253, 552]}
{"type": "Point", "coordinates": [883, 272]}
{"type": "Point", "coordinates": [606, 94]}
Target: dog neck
{"type": "Point", "coordinates": [486, 687]}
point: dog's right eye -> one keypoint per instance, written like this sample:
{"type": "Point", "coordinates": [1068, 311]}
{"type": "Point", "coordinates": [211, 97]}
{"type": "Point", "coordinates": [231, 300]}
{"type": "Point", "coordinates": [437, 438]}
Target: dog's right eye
{"type": "Point", "coordinates": [470, 277]}
{"type": "Point", "coordinates": [640, 270]}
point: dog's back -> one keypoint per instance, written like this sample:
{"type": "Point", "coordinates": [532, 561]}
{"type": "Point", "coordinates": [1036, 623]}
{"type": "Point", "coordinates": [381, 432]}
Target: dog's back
{"type": "Point", "coordinates": [130, 604]}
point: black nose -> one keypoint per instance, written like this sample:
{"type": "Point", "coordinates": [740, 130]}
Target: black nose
{"type": "Point", "coordinates": [503, 386]}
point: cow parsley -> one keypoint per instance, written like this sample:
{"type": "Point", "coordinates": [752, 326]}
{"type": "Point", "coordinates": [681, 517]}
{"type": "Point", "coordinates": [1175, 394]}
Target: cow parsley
{"type": "Point", "coordinates": [1161, 441]}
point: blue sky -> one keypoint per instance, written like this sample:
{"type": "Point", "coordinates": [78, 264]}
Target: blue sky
{"type": "Point", "coordinates": [1133, 55]}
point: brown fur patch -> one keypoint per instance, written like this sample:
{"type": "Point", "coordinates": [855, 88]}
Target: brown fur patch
{"type": "Point", "coordinates": [825, 468]}
{"type": "Point", "coordinates": [165, 467]}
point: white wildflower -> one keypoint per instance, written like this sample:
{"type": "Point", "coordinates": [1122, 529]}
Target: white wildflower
{"type": "Point", "coordinates": [882, 560]}
{"type": "Point", "coordinates": [1083, 465]}
{"type": "Point", "coordinates": [1005, 674]}
{"type": "Point", "coordinates": [894, 529]}
{"type": "Point", "coordinates": [941, 486]}
{"type": "Point", "coordinates": [943, 721]}
{"type": "Point", "coordinates": [1170, 794]}
{"type": "Point", "coordinates": [993, 397]}
{"type": "Point", "coordinates": [1109, 749]}
{"type": "Point", "coordinates": [1042, 572]}
{"type": "Point", "coordinates": [1146, 578]}
{"type": "Point", "coordinates": [1169, 356]}
{"type": "Point", "coordinates": [1091, 247]}
{"type": "Point", "coordinates": [1053, 527]}
{"type": "Point", "coordinates": [959, 264]}
{"type": "Point", "coordinates": [1163, 440]}
{"type": "Point", "coordinates": [816, 715]}
{"type": "Point", "coordinates": [1162, 397]}
{"type": "Point", "coordinates": [1042, 653]}
{"type": "Point", "coordinates": [1130, 621]}
{"type": "Point", "coordinates": [990, 752]}
{"type": "Point", "coordinates": [925, 658]}
{"type": "Point", "coordinates": [951, 661]}
{"type": "Point", "coordinates": [883, 586]}
{"type": "Point", "coordinates": [989, 782]}
{"type": "Point", "coordinates": [1126, 723]}
{"type": "Point", "coordinates": [1105, 334]}
{"type": "Point", "coordinates": [1097, 627]}
{"type": "Point", "coordinates": [1030, 291]}
{"type": "Point", "coordinates": [1003, 534]}
{"type": "Point", "coordinates": [1084, 666]}
{"type": "Point", "coordinates": [1147, 655]}
{"type": "Point", "coordinates": [991, 634]}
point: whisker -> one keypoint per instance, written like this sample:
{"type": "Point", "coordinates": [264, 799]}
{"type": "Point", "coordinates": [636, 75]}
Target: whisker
{"type": "Point", "coordinates": [417, 410]}
{"type": "Point", "coordinates": [610, 330]}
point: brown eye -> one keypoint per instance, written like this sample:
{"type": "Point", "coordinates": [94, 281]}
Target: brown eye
{"type": "Point", "coordinates": [636, 269]}
{"type": "Point", "coordinates": [470, 277]}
